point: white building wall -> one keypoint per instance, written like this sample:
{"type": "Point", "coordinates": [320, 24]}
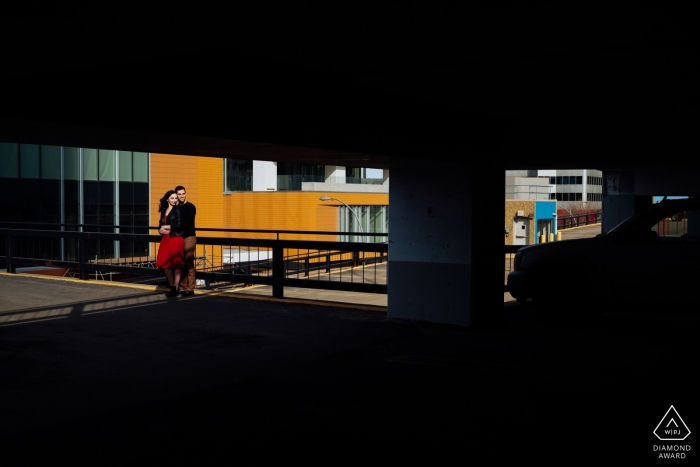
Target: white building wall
{"type": "Point", "coordinates": [264, 176]}
{"type": "Point", "coordinates": [335, 174]}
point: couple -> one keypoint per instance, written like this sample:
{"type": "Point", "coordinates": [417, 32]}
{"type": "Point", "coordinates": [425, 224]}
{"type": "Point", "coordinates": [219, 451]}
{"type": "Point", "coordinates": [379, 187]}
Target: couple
{"type": "Point", "coordinates": [178, 242]}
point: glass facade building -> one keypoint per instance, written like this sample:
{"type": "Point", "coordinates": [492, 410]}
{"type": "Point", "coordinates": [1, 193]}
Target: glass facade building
{"type": "Point", "coordinates": [363, 219]}
{"type": "Point", "coordinates": [65, 186]}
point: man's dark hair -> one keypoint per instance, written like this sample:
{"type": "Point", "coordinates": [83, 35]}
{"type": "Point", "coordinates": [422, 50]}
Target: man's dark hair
{"type": "Point", "coordinates": [180, 187]}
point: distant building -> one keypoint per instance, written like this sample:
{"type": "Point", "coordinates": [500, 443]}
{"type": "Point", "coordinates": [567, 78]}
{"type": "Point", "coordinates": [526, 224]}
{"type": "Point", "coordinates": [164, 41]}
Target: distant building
{"type": "Point", "coordinates": [571, 188]}
{"type": "Point", "coordinates": [120, 190]}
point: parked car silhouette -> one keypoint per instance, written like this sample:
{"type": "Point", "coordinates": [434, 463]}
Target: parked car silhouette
{"type": "Point", "coordinates": [652, 256]}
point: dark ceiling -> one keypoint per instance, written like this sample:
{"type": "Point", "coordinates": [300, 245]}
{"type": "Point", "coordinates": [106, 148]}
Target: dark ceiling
{"type": "Point", "coordinates": [538, 85]}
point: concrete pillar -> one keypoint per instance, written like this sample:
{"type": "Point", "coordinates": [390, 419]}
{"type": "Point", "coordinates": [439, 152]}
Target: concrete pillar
{"type": "Point", "coordinates": [445, 245]}
{"type": "Point", "coordinates": [620, 199]}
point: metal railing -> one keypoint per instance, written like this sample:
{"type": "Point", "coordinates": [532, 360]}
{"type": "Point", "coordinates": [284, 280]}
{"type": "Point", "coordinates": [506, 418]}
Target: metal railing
{"type": "Point", "coordinates": [577, 220]}
{"type": "Point", "coordinates": [510, 251]}
{"type": "Point", "coordinates": [224, 256]}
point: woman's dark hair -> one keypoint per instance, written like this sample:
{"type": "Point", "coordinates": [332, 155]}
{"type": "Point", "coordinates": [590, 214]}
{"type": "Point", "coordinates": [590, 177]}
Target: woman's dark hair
{"type": "Point", "coordinates": [164, 201]}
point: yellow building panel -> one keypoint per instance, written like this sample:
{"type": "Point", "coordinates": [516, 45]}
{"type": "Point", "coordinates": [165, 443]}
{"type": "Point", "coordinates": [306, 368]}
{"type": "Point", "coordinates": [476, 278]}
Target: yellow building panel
{"type": "Point", "coordinates": [286, 210]}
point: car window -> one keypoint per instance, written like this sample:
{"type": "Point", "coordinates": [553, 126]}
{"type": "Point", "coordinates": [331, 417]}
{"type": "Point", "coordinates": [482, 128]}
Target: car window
{"type": "Point", "coordinates": [674, 227]}
{"type": "Point", "coordinates": [679, 227]}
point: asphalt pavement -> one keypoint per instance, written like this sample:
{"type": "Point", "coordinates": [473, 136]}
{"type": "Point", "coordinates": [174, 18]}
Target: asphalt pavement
{"type": "Point", "coordinates": [106, 373]}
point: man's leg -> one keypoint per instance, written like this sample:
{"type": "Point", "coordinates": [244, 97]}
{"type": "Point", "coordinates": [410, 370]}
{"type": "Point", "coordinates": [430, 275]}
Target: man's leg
{"type": "Point", "coordinates": [188, 279]}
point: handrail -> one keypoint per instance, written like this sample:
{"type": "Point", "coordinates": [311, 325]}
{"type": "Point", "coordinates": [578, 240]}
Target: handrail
{"type": "Point", "coordinates": [578, 220]}
{"type": "Point", "coordinates": [199, 229]}
{"type": "Point", "coordinates": [276, 273]}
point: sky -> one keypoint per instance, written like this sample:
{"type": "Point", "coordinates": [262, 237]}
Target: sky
{"type": "Point", "coordinates": [659, 198]}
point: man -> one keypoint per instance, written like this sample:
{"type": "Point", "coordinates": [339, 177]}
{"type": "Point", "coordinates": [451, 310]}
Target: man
{"type": "Point", "coordinates": [188, 212]}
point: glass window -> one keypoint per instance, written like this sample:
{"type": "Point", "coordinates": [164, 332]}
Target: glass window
{"type": "Point", "coordinates": [29, 160]}
{"type": "Point", "coordinates": [140, 167]}
{"type": "Point", "coordinates": [90, 164]}
{"type": "Point", "coordinates": [579, 196]}
{"type": "Point", "coordinates": [90, 197]}
{"type": "Point", "coordinates": [579, 180]}
{"type": "Point", "coordinates": [9, 160]}
{"type": "Point", "coordinates": [376, 223]}
{"type": "Point", "coordinates": [559, 180]}
{"type": "Point", "coordinates": [141, 195]}
{"type": "Point", "coordinates": [363, 219]}
{"type": "Point", "coordinates": [353, 175]}
{"type": "Point", "coordinates": [238, 175]}
{"type": "Point", "coordinates": [386, 221]}
{"type": "Point", "coordinates": [71, 164]}
{"type": "Point", "coordinates": [51, 162]}
{"type": "Point", "coordinates": [106, 192]}
{"type": "Point", "coordinates": [290, 176]}
{"type": "Point", "coordinates": [552, 180]}
{"type": "Point", "coordinates": [674, 228]}
{"type": "Point", "coordinates": [125, 163]}
{"type": "Point", "coordinates": [70, 192]}
{"type": "Point", "coordinates": [126, 194]}
{"type": "Point", "coordinates": [107, 168]}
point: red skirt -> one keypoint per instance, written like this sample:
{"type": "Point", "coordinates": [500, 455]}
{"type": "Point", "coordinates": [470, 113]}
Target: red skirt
{"type": "Point", "coordinates": [170, 253]}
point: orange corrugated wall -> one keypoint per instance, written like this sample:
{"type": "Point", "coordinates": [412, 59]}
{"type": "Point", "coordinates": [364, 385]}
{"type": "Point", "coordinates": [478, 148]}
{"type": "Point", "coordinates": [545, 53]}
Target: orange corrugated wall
{"type": "Point", "coordinates": [282, 210]}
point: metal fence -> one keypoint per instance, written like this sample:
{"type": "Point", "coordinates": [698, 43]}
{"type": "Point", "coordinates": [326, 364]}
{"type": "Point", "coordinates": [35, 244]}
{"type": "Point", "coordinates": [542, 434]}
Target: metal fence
{"type": "Point", "coordinates": [579, 220]}
{"type": "Point", "coordinates": [224, 256]}
{"type": "Point", "coordinates": [510, 251]}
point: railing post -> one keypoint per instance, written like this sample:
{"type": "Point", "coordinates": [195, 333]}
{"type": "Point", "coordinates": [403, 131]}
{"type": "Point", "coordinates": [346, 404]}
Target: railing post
{"type": "Point", "coordinates": [82, 256]}
{"type": "Point", "coordinates": [328, 263]}
{"type": "Point", "coordinates": [277, 271]}
{"type": "Point", "coordinates": [306, 267]}
{"type": "Point", "coordinates": [9, 252]}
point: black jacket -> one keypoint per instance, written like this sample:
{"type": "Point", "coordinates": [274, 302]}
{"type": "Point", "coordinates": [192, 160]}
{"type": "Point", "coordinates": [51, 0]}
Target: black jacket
{"type": "Point", "coordinates": [174, 221]}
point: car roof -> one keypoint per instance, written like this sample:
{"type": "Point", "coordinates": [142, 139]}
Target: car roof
{"type": "Point", "coordinates": [677, 202]}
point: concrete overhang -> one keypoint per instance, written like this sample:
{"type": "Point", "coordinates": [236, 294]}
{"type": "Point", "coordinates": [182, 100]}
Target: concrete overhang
{"type": "Point", "coordinates": [510, 87]}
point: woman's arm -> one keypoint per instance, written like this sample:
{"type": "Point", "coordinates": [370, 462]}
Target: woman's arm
{"type": "Point", "coordinates": [162, 228]}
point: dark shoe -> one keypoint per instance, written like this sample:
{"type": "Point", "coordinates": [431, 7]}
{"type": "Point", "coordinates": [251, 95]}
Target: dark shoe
{"type": "Point", "coordinates": [186, 293]}
{"type": "Point", "coordinates": [172, 293]}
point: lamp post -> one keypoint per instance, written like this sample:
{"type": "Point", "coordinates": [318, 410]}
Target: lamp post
{"type": "Point", "coordinates": [359, 223]}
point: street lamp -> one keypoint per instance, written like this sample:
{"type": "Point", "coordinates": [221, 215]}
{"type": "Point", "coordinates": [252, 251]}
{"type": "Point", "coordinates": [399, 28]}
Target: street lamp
{"type": "Point", "coordinates": [359, 223]}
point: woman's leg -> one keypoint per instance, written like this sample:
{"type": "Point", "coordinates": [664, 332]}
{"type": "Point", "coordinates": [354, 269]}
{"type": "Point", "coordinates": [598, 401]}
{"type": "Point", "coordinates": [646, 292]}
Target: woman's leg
{"type": "Point", "coordinates": [169, 275]}
{"type": "Point", "coordinates": [176, 277]}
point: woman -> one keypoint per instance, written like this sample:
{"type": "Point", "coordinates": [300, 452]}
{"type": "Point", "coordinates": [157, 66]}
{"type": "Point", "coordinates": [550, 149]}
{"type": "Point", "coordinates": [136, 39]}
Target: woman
{"type": "Point", "coordinates": [171, 251]}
